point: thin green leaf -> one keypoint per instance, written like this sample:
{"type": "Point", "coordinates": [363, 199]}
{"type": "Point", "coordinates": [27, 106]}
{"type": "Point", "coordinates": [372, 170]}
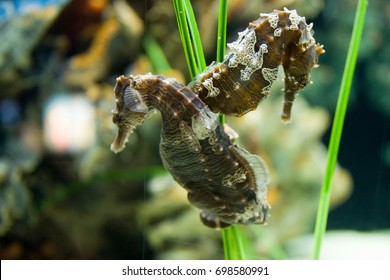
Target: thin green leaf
{"type": "Point", "coordinates": [232, 237]}
{"type": "Point", "coordinates": [222, 24]}
{"type": "Point", "coordinates": [155, 54]}
{"type": "Point", "coordinates": [221, 38]}
{"type": "Point", "coordinates": [185, 37]}
{"type": "Point", "coordinates": [196, 41]}
{"type": "Point", "coordinates": [338, 122]}
{"type": "Point", "coordinates": [233, 244]}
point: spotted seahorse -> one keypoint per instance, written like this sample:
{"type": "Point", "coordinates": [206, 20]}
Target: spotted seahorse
{"type": "Point", "coordinates": [226, 182]}
{"type": "Point", "coordinates": [239, 83]}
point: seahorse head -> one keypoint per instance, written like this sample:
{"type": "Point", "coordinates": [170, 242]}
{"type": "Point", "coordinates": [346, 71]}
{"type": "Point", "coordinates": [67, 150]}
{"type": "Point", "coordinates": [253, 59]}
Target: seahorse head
{"type": "Point", "coordinates": [130, 111]}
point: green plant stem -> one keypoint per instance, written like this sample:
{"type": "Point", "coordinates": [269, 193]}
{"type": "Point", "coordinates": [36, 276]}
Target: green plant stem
{"type": "Point", "coordinates": [156, 54]}
{"type": "Point", "coordinates": [337, 127]}
{"type": "Point", "coordinates": [232, 243]}
{"type": "Point", "coordinates": [229, 240]}
{"type": "Point", "coordinates": [221, 39]}
{"type": "Point", "coordinates": [185, 37]}
{"type": "Point", "coordinates": [222, 24]}
{"type": "Point", "coordinates": [197, 44]}
{"type": "Point", "coordinates": [231, 236]}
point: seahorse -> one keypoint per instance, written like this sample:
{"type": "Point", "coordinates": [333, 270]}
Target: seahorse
{"type": "Point", "coordinates": [226, 182]}
{"type": "Point", "coordinates": [239, 83]}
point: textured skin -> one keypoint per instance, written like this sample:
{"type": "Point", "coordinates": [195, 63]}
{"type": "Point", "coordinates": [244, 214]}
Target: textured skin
{"type": "Point", "coordinates": [225, 181]}
{"type": "Point", "coordinates": [238, 84]}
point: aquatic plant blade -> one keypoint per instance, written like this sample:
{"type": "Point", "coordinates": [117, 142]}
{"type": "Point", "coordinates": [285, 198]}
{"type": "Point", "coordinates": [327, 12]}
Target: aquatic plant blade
{"type": "Point", "coordinates": [222, 24]}
{"type": "Point", "coordinates": [185, 37]}
{"type": "Point", "coordinates": [233, 235]}
{"type": "Point", "coordinates": [337, 127]}
{"type": "Point", "coordinates": [221, 38]}
{"type": "Point", "coordinates": [156, 55]}
{"type": "Point", "coordinates": [196, 41]}
{"type": "Point", "coordinates": [232, 243]}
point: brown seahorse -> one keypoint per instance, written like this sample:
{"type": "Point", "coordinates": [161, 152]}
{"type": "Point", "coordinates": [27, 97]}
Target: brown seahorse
{"type": "Point", "coordinates": [237, 85]}
{"type": "Point", "coordinates": [226, 182]}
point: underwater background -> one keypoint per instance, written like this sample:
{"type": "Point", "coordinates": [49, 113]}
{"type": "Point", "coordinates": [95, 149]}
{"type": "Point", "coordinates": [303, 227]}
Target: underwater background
{"type": "Point", "coordinates": [65, 195]}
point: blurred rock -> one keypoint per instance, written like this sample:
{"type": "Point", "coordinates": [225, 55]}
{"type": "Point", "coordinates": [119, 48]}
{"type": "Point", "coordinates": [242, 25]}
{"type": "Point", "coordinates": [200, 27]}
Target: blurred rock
{"type": "Point", "coordinates": [15, 199]}
{"type": "Point", "coordinates": [20, 35]}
